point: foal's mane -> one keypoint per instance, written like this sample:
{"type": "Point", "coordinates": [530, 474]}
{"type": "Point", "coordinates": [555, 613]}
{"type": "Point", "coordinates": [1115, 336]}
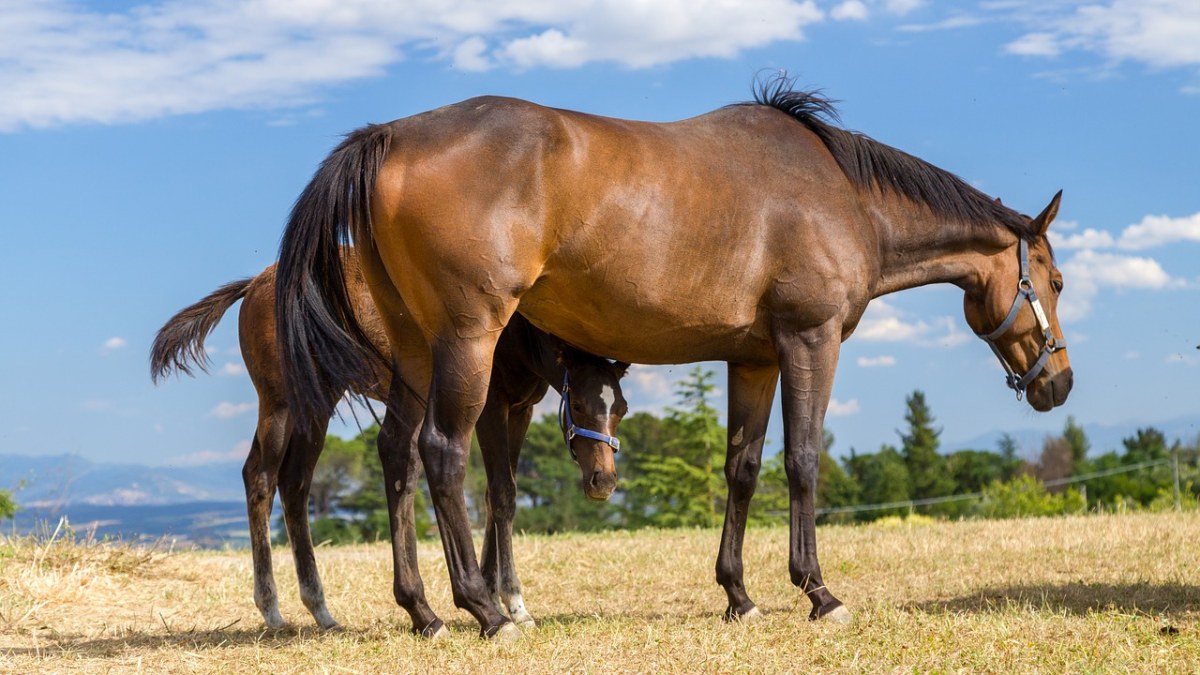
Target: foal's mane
{"type": "Point", "coordinates": [871, 164]}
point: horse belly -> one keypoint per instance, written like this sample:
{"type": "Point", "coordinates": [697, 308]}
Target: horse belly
{"type": "Point", "coordinates": [624, 319]}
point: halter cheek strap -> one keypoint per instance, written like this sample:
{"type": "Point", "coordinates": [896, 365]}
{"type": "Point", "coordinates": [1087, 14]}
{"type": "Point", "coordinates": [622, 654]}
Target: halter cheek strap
{"type": "Point", "coordinates": [570, 431]}
{"type": "Point", "coordinates": [1050, 344]}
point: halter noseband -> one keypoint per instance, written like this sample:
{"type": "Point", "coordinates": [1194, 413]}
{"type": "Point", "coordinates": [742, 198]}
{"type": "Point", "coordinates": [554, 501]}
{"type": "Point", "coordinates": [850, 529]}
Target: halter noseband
{"type": "Point", "coordinates": [568, 425]}
{"type": "Point", "coordinates": [1024, 291]}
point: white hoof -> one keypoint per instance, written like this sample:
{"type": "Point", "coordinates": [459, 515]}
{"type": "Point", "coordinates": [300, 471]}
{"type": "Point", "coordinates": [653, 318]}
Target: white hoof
{"type": "Point", "coordinates": [441, 634]}
{"type": "Point", "coordinates": [507, 633]}
{"type": "Point", "coordinates": [840, 616]}
{"type": "Point", "coordinates": [750, 617]}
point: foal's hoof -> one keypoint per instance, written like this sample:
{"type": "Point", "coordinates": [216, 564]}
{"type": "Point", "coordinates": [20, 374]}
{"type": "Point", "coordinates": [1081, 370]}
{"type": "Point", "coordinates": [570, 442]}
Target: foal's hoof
{"type": "Point", "coordinates": [751, 615]}
{"type": "Point", "coordinates": [838, 615]}
{"type": "Point", "coordinates": [436, 630]}
{"type": "Point", "coordinates": [505, 632]}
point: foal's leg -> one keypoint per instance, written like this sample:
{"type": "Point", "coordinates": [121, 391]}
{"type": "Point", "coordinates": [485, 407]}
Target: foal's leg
{"type": "Point", "coordinates": [260, 476]}
{"type": "Point", "coordinates": [401, 471]}
{"type": "Point", "coordinates": [501, 432]}
{"type": "Point", "coordinates": [456, 396]}
{"type": "Point", "coordinates": [751, 394]}
{"type": "Point", "coordinates": [295, 481]}
{"type": "Point", "coordinates": [807, 360]}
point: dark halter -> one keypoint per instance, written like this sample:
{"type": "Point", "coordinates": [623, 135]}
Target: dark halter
{"type": "Point", "coordinates": [1049, 346]}
{"type": "Point", "coordinates": [568, 425]}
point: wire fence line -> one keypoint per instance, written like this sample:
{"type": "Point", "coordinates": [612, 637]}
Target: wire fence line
{"type": "Point", "coordinates": [912, 503]}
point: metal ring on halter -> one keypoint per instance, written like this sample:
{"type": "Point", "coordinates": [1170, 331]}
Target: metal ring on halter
{"type": "Point", "coordinates": [568, 425]}
{"type": "Point", "coordinates": [1050, 345]}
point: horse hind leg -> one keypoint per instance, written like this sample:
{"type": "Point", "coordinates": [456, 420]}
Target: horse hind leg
{"type": "Point", "coordinates": [260, 475]}
{"type": "Point", "coordinates": [401, 471]}
{"type": "Point", "coordinates": [294, 485]}
{"type": "Point", "coordinates": [456, 397]}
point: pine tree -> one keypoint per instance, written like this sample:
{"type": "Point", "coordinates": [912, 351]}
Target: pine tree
{"type": "Point", "coordinates": [1078, 442]}
{"type": "Point", "coordinates": [919, 446]}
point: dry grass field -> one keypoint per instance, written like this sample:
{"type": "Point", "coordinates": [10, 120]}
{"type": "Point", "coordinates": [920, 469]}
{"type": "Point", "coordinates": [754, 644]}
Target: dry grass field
{"type": "Point", "coordinates": [1112, 593]}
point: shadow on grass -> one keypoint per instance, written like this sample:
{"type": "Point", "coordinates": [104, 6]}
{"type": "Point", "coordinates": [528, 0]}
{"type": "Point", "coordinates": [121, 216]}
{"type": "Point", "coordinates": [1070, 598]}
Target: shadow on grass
{"type": "Point", "coordinates": [231, 637]}
{"type": "Point", "coordinates": [1077, 597]}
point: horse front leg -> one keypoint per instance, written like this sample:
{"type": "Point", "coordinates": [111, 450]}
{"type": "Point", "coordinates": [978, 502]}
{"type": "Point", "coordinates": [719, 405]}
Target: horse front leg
{"type": "Point", "coordinates": [501, 432]}
{"type": "Point", "coordinates": [807, 361]}
{"type": "Point", "coordinates": [751, 394]}
{"type": "Point", "coordinates": [397, 445]}
{"type": "Point", "coordinates": [456, 397]}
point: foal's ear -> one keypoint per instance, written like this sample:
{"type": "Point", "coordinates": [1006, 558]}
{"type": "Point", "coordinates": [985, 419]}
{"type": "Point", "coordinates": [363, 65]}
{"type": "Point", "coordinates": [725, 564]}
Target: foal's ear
{"type": "Point", "coordinates": [620, 368]}
{"type": "Point", "coordinates": [1042, 222]}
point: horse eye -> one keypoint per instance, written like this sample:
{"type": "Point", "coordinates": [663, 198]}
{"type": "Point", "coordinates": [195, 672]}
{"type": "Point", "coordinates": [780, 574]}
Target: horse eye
{"type": "Point", "coordinates": [1057, 285]}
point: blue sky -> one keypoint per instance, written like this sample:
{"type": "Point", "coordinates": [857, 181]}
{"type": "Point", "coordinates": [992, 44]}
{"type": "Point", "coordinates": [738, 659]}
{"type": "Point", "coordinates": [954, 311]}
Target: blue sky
{"type": "Point", "coordinates": [150, 151]}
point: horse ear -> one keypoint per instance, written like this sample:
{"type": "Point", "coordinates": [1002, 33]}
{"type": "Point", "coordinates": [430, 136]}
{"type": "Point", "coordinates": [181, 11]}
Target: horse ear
{"type": "Point", "coordinates": [1042, 222]}
{"type": "Point", "coordinates": [621, 368]}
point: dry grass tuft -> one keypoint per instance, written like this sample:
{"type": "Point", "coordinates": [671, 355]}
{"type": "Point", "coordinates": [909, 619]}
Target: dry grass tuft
{"type": "Point", "coordinates": [1093, 594]}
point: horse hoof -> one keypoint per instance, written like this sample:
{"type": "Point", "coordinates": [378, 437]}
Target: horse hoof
{"type": "Point", "coordinates": [334, 627]}
{"type": "Point", "coordinates": [507, 632]}
{"type": "Point", "coordinates": [838, 615]}
{"type": "Point", "coordinates": [523, 620]}
{"type": "Point", "coordinates": [751, 616]}
{"type": "Point", "coordinates": [436, 630]}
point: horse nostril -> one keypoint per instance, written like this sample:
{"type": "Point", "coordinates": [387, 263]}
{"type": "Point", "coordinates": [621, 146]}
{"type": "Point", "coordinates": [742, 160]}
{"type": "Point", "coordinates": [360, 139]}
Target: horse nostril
{"type": "Point", "coordinates": [595, 481]}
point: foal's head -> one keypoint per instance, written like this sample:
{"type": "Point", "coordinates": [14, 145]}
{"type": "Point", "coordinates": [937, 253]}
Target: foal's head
{"type": "Point", "coordinates": [1015, 310]}
{"type": "Point", "coordinates": [592, 408]}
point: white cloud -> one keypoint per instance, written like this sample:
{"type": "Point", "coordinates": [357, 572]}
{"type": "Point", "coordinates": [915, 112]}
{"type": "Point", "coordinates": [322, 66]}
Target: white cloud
{"type": "Point", "coordinates": [876, 361]}
{"type": "Point", "coordinates": [850, 10]}
{"type": "Point", "coordinates": [235, 454]}
{"type": "Point", "coordinates": [1035, 44]}
{"type": "Point", "coordinates": [112, 344]}
{"type": "Point", "coordinates": [1089, 238]}
{"type": "Point", "coordinates": [843, 409]}
{"type": "Point", "coordinates": [648, 382]}
{"type": "Point", "coordinates": [225, 409]}
{"type": "Point", "coordinates": [1158, 33]}
{"type": "Point", "coordinates": [1155, 231]}
{"type": "Point", "coordinates": [951, 23]}
{"type": "Point", "coordinates": [63, 63]}
{"type": "Point", "coordinates": [883, 322]}
{"type": "Point", "coordinates": [231, 369]}
{"type": "Point", "coordinates": [902, 7]}
{"type": "Point", "coordinates": [1185, 359]}
{"type": "Point", "coordinates": [1089, 271]}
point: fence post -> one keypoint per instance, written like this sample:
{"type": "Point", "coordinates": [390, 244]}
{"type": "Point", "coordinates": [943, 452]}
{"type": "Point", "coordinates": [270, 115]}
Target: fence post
{"type": "Point", "coordinates": [1175, 468]}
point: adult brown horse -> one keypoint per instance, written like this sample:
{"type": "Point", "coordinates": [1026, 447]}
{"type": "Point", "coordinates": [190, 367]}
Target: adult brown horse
{"type": "Point", "coordinates": [755, 234]}
{"type": "Point", "coordinates": [527, 362]}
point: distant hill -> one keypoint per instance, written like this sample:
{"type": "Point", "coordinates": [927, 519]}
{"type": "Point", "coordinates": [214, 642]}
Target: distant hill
{"type": "Point", "coordinates": [1103, 437]}
{"type": "Point", "coordinates": [56, 480]}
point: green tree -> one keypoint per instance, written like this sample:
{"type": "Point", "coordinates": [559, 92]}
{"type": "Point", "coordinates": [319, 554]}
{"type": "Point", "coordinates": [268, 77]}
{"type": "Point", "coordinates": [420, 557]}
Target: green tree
{"type": "Point", "coordinates": [1025, 497]}
{"type": "Point", "coordinates": [677, 484]}
{"type": "Point", "coordinates": [919, 446]}
{"type": "Point", "coordinates": [882, 478]}
{"type": "Point", "coordinates": [1078, 442]}
{"type": "Point", "coordinates": [8, 507]}
{"type": "Point", "coordinates": [1010, 457]}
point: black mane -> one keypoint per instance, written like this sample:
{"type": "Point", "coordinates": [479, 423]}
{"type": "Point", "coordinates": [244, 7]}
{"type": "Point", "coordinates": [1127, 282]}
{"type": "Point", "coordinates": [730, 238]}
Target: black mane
{"type": "Point", "coordinates": [871, 164]}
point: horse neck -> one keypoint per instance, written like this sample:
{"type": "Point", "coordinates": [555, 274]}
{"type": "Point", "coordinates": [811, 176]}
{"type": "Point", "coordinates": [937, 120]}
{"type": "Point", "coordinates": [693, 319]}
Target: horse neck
{"type": "Point", "coordinates": [920, 248]}
{"type": "Point", "coordinates": [543, 353]}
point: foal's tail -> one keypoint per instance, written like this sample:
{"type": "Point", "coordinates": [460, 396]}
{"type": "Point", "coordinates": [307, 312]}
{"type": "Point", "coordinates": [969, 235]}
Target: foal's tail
{"type": "Point", "coordinates": [322, 345]}
{"type": "Point", "coordinates": [180, 342]}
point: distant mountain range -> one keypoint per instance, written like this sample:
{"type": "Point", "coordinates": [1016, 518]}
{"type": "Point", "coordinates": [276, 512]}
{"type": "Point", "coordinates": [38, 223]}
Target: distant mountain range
{"type": "Point", "coordinates": [1102, 437]}
{"type": "Point", "coordinates": [55, 480]}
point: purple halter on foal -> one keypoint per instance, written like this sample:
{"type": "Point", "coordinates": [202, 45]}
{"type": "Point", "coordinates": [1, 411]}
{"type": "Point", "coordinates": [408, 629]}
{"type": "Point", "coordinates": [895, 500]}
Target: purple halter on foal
{"type": "Point", "coordinates": [1051, 344]}
{"type": "Point", "coordinates": [568, 425]}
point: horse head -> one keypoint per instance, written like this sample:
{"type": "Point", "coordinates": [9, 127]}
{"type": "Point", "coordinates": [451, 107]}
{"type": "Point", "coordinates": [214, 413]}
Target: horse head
{"type": "Point", "coordinates": [1014, 309]}
{"type": "Point", "coordinates": [591, 409]}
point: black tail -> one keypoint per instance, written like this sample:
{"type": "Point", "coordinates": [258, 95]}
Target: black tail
{"type": "Point", "coordinates": [322, 346]}
{"type": "Point", "coordinates": [180, 342]}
